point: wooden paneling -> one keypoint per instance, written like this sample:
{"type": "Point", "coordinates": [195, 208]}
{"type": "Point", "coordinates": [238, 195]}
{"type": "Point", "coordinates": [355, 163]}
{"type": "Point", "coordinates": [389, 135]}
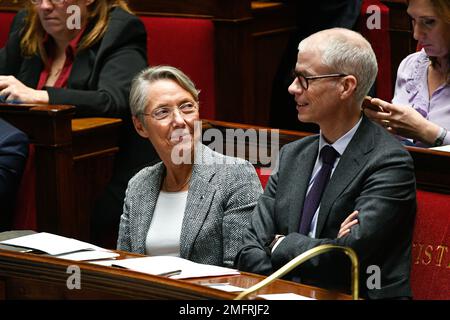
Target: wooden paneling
{"type": "Point", "coordinates": [72, 166]}
{"type": "Point", "coordinates": [49, 129]}
{"type": "Point", "coordinates": [229, 9]}
{"type": "Point", "coordinates": [430, 166]}
{"type": "Point", "coordinates": [13, 5]}
{"type": "Point", "coordinates": [401, 35]}
{"type": "Point", "coordinates": [29, 276]}
{"type": "Point", "coordinates": [2, 289]}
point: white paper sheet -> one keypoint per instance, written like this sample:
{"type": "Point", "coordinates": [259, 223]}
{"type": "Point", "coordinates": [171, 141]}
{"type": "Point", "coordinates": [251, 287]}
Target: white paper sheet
{"type": "Point", "coordinates": [107, 263]}
{"type": "Point", "coordinates": [50, 243]}
{"type": "Point", "coordinates": [284, 296]}
{"type": "Point", "coordinates": [89, 255]}
{"type": "Point", "coordinates": [224, 287]}
{"type": "Point", "coordinates": [445, 148]}
{"type": "Point", "coordinates": [162, 264]}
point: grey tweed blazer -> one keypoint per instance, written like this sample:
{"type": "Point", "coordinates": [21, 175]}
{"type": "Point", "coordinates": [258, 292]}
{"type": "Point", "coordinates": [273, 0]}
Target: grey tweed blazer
{"type": "Point", "coordinates": [222, 194]}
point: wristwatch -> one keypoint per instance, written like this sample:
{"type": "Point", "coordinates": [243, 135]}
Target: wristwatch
{"type": "Point", "coordinates": [274, 241]}
{"type": "Point", "coordinates": [440, 139]}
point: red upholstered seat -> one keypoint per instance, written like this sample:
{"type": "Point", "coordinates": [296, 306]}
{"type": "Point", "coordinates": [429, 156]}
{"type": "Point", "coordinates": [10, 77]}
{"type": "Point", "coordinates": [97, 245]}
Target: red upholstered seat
{"type": "Point", "coordinates": [187, 44]}
{"type": "Point", "coordinates": [264, 175]}
{"type": "Point", "coordinates": [430, 277]}
{"type": "Point", "coordinates": [380, 41]}
{"type": "Point", "coordinates": [6, 19]}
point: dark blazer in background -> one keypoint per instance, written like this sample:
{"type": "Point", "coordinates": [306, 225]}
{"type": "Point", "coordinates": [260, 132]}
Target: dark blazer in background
{"type": "Point", "coordinates": [311, 17]}
{"type": "Point", "coordinates": [375, 176]}
{"type": "Point", "coordinates": [98, 85]}
{"type": "Point", "coordinates": [13, 154]}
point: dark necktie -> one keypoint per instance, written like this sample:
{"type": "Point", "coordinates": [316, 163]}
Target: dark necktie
{"type": "Point", "coordinates": [328, 155]}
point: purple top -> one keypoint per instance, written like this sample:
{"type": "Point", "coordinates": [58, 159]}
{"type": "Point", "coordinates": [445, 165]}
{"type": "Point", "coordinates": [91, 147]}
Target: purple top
{"type": "Point", "coordinates": [411, 88]}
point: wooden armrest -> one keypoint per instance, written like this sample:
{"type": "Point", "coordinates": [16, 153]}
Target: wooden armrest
{"type": "Point", "coordinates": [87, 124]}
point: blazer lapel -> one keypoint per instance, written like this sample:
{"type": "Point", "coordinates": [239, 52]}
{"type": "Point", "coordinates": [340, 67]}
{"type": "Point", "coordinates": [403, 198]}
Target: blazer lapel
{"type": "Point", "coordinates": [148, 200]}
{"type": "Point", "coordinates": [81, 69]}
{"type": "Point", "coordinates": [352, 161]}
{"type": "Point", "coordinates": [299, 181]}
{"type": "Point", "coordinates": [30, 71]}
{"type": "Point", "coordinates": [200, 196]}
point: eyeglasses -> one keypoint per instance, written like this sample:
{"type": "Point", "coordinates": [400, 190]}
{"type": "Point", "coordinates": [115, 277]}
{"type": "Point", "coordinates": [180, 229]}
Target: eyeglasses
{"type": "Point", "coordinates": [185, 110]}
{"type": "Point", "coordinates": [304, 81]}
{"type": "Point", "coordinates": [55, 2]}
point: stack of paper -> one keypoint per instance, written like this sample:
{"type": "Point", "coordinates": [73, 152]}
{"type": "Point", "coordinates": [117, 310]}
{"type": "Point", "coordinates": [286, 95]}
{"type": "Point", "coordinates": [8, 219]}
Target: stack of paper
{"type": "Point", "coordinates": [176, 268]}
{"type": "Point", "coordinates": [445, 148]}
{"type": "Point", "coordinates": [61, 247]}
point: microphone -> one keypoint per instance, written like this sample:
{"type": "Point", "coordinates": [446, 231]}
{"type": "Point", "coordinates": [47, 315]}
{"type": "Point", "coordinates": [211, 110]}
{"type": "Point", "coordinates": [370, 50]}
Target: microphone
{"type": "Point", "coordinates": [305, 256]}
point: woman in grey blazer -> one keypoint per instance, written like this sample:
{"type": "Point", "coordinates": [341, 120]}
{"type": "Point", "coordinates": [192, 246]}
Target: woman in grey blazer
{"type": "Point", "coordinates": [196, 202]}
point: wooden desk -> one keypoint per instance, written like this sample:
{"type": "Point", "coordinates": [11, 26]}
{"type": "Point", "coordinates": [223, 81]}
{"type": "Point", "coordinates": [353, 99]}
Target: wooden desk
{"type": "Point", "coordinates": [74, 160]}
{"type": "Point", "coordinates": [29, 276]}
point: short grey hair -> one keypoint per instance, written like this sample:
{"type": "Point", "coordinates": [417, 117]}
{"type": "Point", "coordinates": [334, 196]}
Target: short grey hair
{"type": "Point", "coordinates": [143, 80]}
{"type": "Point", "coordinates": [346, 51]}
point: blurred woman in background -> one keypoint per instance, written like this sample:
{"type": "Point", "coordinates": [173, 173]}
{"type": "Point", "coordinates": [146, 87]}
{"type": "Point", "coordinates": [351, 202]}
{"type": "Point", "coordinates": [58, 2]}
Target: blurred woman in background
{"type": "Point", "coordinates": [420, 109]}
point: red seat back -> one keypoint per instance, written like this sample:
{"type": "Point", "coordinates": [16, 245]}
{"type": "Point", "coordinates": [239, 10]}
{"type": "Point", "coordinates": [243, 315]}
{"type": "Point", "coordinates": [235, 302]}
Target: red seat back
{"type": "Point", "coordinates": [380, 41]}
{"type": "Point", "coordinates": [6, 19]}
{"type": "Point", "coordinates": [187, 44]}
{"type": "Point", "coordinates": [430, 276]}
{"type": "Point", "coordinates": [263, 175]}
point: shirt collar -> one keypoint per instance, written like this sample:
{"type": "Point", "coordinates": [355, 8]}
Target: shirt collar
{"type": "Point", "coordinates": [340, 144]}
{"type": "Point", "coordinates": [71, 48]}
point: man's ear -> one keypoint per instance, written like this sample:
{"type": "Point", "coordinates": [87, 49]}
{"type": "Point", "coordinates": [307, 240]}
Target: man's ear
{"type": "Point", "coordinates": [140, 128]}
{"type": "Point", "coordinates": [349, 84]}
{"type": "Point", "coordinates": [89, 2]}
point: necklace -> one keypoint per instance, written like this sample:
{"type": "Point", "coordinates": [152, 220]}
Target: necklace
{"type": "Point", "coordinates": [56, 73]}
{"type": "Point", "coordinates": [178, 187]}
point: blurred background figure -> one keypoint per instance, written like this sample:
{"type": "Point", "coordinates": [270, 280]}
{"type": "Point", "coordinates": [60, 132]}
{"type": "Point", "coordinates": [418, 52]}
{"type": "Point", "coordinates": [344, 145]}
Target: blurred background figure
{"type": "Point", "coordinates": [312, 16]}
{"type": "Point", "coordinates": [87, 58]}
{"type": "Point", "coordinates": [420, 109]}
{"type": "Point", "coordinates": [13, 154]}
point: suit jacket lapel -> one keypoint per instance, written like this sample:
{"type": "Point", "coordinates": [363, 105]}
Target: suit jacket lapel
{"type": "Point", "coordinates": [30, 71]}
{"type": "Point", "coordinates": [299, 178]}
{"type": "Point", "coordinates": [200, 196]}
{"type": "Point", "coordinates": [81, 69]}
{"type": "Point", "coordinates": [352, 161]}
{"type": "Point", "coordinates": [148, 200]}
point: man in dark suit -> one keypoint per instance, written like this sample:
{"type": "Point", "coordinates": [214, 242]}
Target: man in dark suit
{"type": "Point", "coordinates": [13, 153]}
{"type": "Point", "coordinates": [368, 204]}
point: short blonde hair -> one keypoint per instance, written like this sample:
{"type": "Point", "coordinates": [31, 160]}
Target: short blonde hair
{"type": "Point", "coordinates": [33, 32]}
{"type": "Point", "coordinates": [141, 83]}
